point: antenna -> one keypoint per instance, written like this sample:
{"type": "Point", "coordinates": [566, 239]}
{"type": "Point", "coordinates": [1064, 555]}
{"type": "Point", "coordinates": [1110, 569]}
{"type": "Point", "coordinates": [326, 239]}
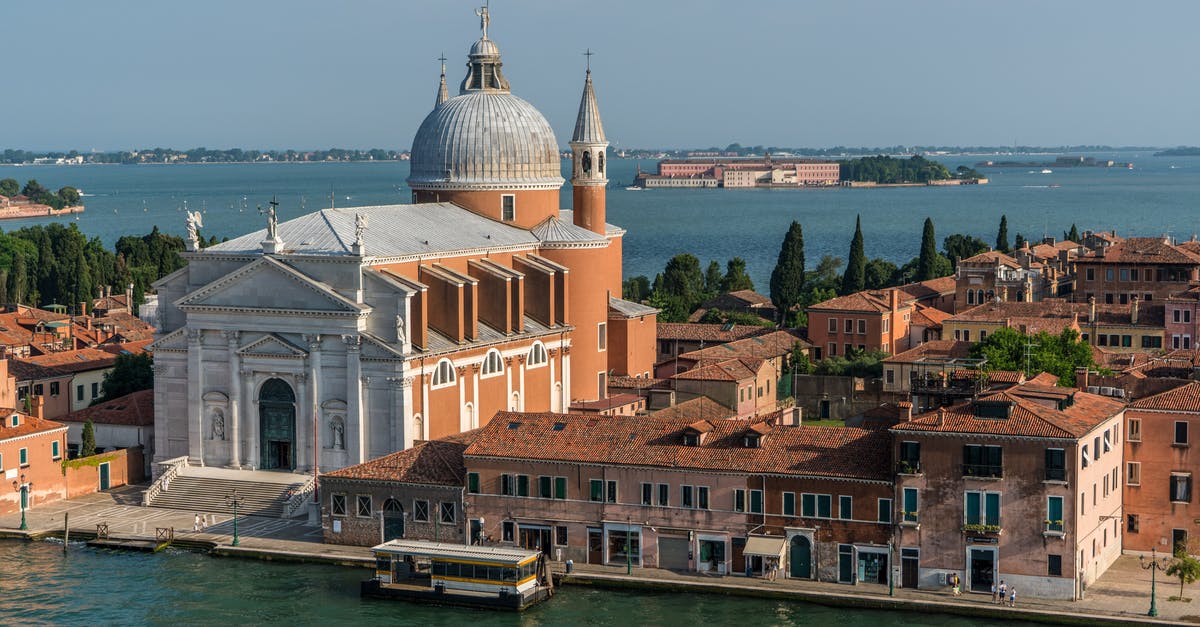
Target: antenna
{"type": "Point", "coordinates": [1029, 346]}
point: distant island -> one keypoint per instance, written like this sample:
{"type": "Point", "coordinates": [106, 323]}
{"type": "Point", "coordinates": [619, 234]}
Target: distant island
{"type": "Point", "coordinates": [199, 155]}
{"type": "Point", "coordinates": [772, 171]}
{"type": "Point", "coordinates": [1181, 151]}
{"type": "Point", "coordinates": [738, 150]}
{"type": "Point", "coordinates": [34, 200]}
{"type": "Point", "coordinates": [1065, 161]}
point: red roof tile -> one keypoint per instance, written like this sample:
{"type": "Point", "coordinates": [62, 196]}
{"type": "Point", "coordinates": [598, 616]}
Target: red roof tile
{"type": "Point", "coordinates": [80, 360]}
{"type": "Point", "coordinates": [1029, 417]}
{"type": "Point", "coordinates": [868, 301]}
{"type": "Point", "coordinates": [28, 425]}
{"type": "Point", "coordinates": [707, 332]}
{"type": "Point", "coordinates": [615, 400]}
{"type": "Point", "coordinates": [933, 349]}
{"type": "Point", "coordinates": [766, 346]}
{"type": "Point", "coordinates": [136, 409]}
{"type": "Point", "coordinates": [699, 406]}
{"type": "Point", "coordinates": [1143, 250]}
{"type": "Point", "coordinates": [726, 370]}
{"type": "Point", "coordinates": [648, 441]}
{"type": "Point", "coordinates": [1183, 398]}
{"type": "Point", "coordinates": [437, 462]}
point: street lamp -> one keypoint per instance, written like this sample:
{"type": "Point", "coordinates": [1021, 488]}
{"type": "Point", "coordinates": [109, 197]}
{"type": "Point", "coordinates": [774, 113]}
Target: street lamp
{"type": "Point", "coordinates": [1154, 565]}
{"type": "Point", "coordinates": [24, 487]}
{"type": "Point", "coordinates": [234, 501]}
{"type": "Point", "coordinates": [628, 545]}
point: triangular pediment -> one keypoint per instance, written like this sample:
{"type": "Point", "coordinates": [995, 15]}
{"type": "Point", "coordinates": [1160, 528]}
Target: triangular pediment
{"type": "Point", "coordinates": [268, 285]}
{"type": "Point", "coordinates": [173, 341]}
{"type": "Point", "coordinates": [376, 348]}
{"type": "Point", "coordinates": [272, 345]}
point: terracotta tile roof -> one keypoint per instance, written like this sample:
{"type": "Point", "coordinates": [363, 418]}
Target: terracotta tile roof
{"type": "Point", "coordinates": [136, 409]}
{"type": "Point", "coordinates": [121, 348]}
{"type": "Point", "coordinates": [1183, 398]}
{"type": "Point", "coordinates": [934, 349]}
{"type": "Point", "coordinates": [636, 383]}
{"type": "Point", "coordinates": [928, 317]}
{"type": "Point", "coordinates": [29, 425]}
{"type": "Point", "coordinates": [726, 370]}
{"type": "Point", "coordinates": [1191, 246]}
{"type": "Point", "coordinates": [868, 301]}
{"type": "Point", "coordinates": [25, 371]}
{"type": "Point", "coordinates": [1044, 378]}
{"type": "Point", "coordinates": [699, 406]}
{"type": "Point", "coordinates": [707, 332]}
{"type": "Point", "coordinates": [1143, 250]}
{"type": "Point", "coordinates": [437, 462]}
{"type": "Point", "coordinates": [80, 360]}
{"type": "Point", "coordinates": [1149, 314]}
{"type": "Point", "coordinates": [649, 441]}
{"type": "Point", "coordinates": [1031, 416]}
{"type": "Point", "coordinates": [991, 257]}
{"type": "Point", "coordinates": [615, 400]}
{"type": "Point", "coordinates": [766, 346]}
{"type": "Point", "coordinates": [933, 288]}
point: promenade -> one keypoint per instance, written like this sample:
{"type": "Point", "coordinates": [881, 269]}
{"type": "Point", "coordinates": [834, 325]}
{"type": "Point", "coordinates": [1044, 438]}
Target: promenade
{"type": "Point", "coordinates": [1120, 596]}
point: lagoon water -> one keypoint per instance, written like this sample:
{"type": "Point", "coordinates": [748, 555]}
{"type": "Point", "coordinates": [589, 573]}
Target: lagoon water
{"type": "Point", "coordinates": [93, 587]}
{"type": "Point", "coordinates": [1160, 195]}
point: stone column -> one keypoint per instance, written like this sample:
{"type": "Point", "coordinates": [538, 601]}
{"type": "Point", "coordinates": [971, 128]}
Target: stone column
{"type": "Point", "coordinates": [303, 451]}
{"type": "Point", "coordinates": [551, 354]}
{"type": "Point", "coordinates": [463, 418]}
{"type": "Point", "coordinates": [314, 372]}
{"type": "Point", "coordinates": [356, 423]}
{"type": "Point", "coordinates": [161, 441]}
{"type": "Point", "coordinates": [521, 382]}
{"type": "Point", "coordinates": [406, 413]}
{"type": "Point", "coordinates": [566, 378]}
{"type": "Point", "coordinates": [253, 442]}
{"type": "Point", "coordinates": [195, 341]}
{"type": "Point", "coordinates": [425, 413]}
{"type": "Point", "coordinates": [235, 405]}
{"type": "Point", "coordinates": [473, 415]}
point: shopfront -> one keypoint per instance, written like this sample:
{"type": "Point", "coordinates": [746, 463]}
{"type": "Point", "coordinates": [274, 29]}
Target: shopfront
{"type": "Point", "coordinates": [872, 564]}
{"type": "Point", "coordinates": [712, 554]}
{"type": "Point", "coordinates": [623, 544]}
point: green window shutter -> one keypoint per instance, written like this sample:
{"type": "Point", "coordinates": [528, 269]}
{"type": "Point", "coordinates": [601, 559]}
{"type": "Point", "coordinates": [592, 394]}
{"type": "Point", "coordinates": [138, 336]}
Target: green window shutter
{"type": "Point", "coordinates": [523, 485]}
{"type": "Point", "coordinates": [992, 508]}
{"type": "Point", "coordinates": [972, 508]}
{"type": "Point", "coordinates": [808, 505]}
{"type": "Point", "coordinates": [473, 482]}
{"type": "Point", "coordinates": [824, 506]}
{"type": "Point", "coordinates": [739, 500]}
{"type": "Point", "coordinates": [597, 490]}
{"type": "Point", "coordinates": [789, 504]}
{"type": "Point", "coordinates": [756, 504]}
{"type": "Point", "coordinates": [544, 487]}
{"type": "Point", "coordinates": [560, 487]}
{"type": "Point", "coordinates": [1055, 508]}
{"type": "Point", "coordinates": [24, 457]}
{"type": "Point", "coordinates": [845, 507]}
{"type": "Point", "coordinates": [910, 504]}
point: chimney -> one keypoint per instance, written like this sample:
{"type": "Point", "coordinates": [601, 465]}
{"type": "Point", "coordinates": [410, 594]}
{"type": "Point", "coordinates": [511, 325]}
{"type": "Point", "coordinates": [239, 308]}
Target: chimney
{"type": "Point", "coordinates": [1133, 317]}
{"type": "Point", "coordinates": [941, 417]}
{"type": "Point", "coordinates": [129, 297]}
{"type": "Point", "coordinates": [895, 299]}
{"type": "Point", "coordinates": [905, 410]}
{"type": "Point", "coordinates": [1091, 310]}
{"type": "Point", "coordinates": [83, 308]}
{"type": "Point", "coordinates": [37, 407]}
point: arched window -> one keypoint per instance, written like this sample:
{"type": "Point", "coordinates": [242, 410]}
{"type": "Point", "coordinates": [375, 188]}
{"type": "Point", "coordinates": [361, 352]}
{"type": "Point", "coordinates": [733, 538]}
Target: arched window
{"type": "Point", "coordinates": [970, 297]}
{"type": "Point", "coordinates": [537, 355]}
{"type": "Point", "coordinates": [443, 374]}
{"type": "Point", "coordinates": [493, 363]}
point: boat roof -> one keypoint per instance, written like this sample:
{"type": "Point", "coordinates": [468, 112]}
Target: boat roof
{"type": "Point", "coordinates": [418, 548]}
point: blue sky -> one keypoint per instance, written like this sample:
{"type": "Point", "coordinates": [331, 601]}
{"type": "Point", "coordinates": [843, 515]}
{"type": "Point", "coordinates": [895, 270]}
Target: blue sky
{"type": "Point", "coordinates": [362, 73]}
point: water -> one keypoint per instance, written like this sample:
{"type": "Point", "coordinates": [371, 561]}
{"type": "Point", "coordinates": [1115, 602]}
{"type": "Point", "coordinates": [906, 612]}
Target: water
{"type": "Point", "coordinates": [1158, 196]}
{"type": "Point", "coordinates": [93, 587]}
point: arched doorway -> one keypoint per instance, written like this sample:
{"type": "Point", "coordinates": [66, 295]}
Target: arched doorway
{"type": "Point", "coordinates": [393, 520]}
{"type": "Point", "coordinates": [801, 558]}
{"type": "Point", "coordinates": [277, 425]}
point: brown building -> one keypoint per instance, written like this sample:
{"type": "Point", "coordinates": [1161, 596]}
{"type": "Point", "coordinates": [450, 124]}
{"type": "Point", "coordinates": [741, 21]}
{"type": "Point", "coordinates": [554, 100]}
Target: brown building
{"type": "Point", "coordinates": [1149, 268]}
{"type": "Point", "coordinates": [1160, 505]}
{"type": "Point", "coordinates": [1020, 486]}
{"type": "Point", "coordinates": [1138, 326]}
{"type": "Point", "coordinates": [677, 338]}
{"type": "Point", "coordinates": [868, 320]}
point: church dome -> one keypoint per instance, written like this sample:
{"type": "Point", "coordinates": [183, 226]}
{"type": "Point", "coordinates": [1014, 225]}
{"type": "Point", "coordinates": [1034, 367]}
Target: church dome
{"type": "Point", "coordinates": [485, 139]}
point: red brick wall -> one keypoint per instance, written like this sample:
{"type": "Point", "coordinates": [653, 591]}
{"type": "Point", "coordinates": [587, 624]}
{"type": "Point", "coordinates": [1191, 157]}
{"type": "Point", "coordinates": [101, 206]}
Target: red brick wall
{"type": "Point", "coordinates": [83, 474]}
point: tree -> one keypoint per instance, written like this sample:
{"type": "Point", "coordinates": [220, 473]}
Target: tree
{"type": "Point", "coordinates": [1072, 235]}
{"type": "Point", "coordinates": [880, 274]}
{"type": "Point", "coordinates": [713, 279]}
{"type": "Point", "coordinates": [69, 196]}
{"type": "Point", "coordinates": [130, 373]}
{"type": "Point", "coordinates": [1002, 235]}
{"type": "Point", "coordinates": [928, 258]}
{"type": "Point", "coordinates": [1185, 567]}
{"type": "Point", "coordinates": [856, 265]}
{"type": "Point", "coordinates": [636, 288]}
{"type": "Point", "coordinates": [959, 247]}
{"type": "Point", "coordinates": [33, 189]}
{"type": "Point", "coordinates": [9, 187]}
{"type": "Point", "coordinates": [87, 441]}
{"type": "Point", "coordinates": [1019, 242]}
{"type": "Point", "coordinates": [1060, 355]}
{"type": "Point", "coordinates": [787, 279]}
{"type": "Point", "coordinates": [736, 277]}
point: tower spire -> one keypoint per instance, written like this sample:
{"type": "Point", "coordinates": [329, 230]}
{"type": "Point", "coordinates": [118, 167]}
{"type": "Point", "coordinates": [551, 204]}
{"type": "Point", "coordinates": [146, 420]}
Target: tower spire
{"type": "Point", "coordinates": [588, 154]}
{"type": "Point", "coordinates": [588, 128]}
{"type": "Point", "coordinates": [443, 93]}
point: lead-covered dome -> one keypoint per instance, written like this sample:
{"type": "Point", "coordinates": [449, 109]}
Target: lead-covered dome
{"type": "Point", "coordinates": [484, 138]}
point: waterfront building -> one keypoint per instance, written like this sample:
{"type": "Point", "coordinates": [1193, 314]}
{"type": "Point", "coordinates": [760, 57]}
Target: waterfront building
{"type": "Point", "coordinates": [1159, 469]}
{"type": "Point", "coordinates": [743, 172]}
{"type": "Point", "coordinates": [1149, 268]}
{"type": "Point", "coordinates": [1182, 320]}
{"type": "Point", "coordinates": [31, 452]}
{"type": "Point", "coordinates": [352, 333]}
{"type": "Point", "coordinates": [87, 367]}
{"type": "Point", "coordinates": [1131, 328]}
{"type": "Point", "coordinates": [1021, 485]}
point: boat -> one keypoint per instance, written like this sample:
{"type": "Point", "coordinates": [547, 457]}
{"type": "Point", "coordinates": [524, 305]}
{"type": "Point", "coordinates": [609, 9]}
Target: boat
{"type": "Point", "coordinates": [633, 188]}
{"type": "Point", "coordinates": [1047, 171]}
{"type": "Point", "coordinates": [442, 573]}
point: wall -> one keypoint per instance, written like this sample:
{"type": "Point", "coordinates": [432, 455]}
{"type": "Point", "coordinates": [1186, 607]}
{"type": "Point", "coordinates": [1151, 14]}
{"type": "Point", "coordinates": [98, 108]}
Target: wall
{"type": "Point", "coordinates": [847, 396]}
{"type": "Point", "coordinates": [358, 530]}
{"type": "Point", "coordinates": [125, 467]}
{"type": "Point", "coordinates": [42, 470]}
{"type": "Point", "coordinates": [1157, 456]}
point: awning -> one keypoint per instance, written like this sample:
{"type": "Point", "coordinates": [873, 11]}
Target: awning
{"type": "Point", "coordinates": [765, 546]}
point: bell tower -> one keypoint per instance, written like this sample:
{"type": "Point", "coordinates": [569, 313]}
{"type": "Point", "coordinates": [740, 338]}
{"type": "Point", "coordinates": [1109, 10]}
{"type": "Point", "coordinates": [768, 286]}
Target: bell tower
{"type": "Point", "coordinates": [589, 176]}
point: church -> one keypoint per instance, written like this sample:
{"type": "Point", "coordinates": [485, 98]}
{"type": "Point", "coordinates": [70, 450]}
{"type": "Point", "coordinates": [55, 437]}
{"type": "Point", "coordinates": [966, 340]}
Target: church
{"type": "Point", "coordinates": [350, 333]}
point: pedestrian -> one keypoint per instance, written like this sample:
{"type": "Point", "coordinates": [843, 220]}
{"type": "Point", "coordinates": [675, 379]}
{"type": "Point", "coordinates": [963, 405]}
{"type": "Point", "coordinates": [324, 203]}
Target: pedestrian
{"type": "Point", "coordinates": [774, 569]}
{"type": "Point", "coordinates": [196, 523]}
{"type": "Point", "coordinates": [957, 590]}
{"type": "Point", "coordinates": [1003, 592]}
{"type": "Point", "coordinates": [1012, 597]}
{"type": "Point", "coordinates": [995, 593]}
{"type": "Point", "coordinates": [204, 523]}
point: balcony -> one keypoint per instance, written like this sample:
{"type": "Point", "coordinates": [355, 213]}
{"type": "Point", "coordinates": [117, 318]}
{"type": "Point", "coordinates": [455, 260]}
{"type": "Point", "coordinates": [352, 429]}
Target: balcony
{"type": "Point", "coordinates": [908, 467]}
{"type": "Point", "coordinates": [981, 528]}
{"type": "Point", "coordinates": [1056, 474]}
{"type": "Point", "coordinates": [983, 471]}
{"type": "Point", "coordinates": [1054, 529]}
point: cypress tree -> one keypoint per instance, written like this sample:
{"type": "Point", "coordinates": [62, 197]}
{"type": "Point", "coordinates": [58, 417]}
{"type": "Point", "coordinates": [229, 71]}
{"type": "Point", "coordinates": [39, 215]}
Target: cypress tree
{"type": "Point", "coordinates": [787, 279]}
{"type": "Point", "coordinates": [855, 278]}
{"type": "Point", "coordinates": [1002, 235]}
{"type": "Point", "coordinates": [1019, 242]}
{"type": "Point", "coordinates": [713, 279]}
{"type": "Point", "coordinates": [926, 263]}
{"type": "Point", "coordinates": [20, 279]}
{"type": "Point", "coordinates": [1073, 235]}
{"type": "Point", "coordinates": [87, 444]}
{"type": "Point", "coordinates": [736, 277]}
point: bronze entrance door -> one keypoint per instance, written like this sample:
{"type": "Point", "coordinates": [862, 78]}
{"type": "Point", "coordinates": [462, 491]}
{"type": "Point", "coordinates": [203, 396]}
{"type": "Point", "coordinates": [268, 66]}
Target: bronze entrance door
{"type": "Point", "coordinates": [277, 425]}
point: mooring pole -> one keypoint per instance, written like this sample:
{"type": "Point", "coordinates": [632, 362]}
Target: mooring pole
{"type": "Point", "coordinates": [66, 531]}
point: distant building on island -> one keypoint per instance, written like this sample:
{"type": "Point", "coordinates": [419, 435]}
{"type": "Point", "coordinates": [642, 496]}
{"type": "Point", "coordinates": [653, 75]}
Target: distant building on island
{"type": "Point", "coordinates": [765, 171]}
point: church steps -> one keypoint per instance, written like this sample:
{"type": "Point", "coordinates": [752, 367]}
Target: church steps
{"type": "Point", "coordinates": [207, 495]}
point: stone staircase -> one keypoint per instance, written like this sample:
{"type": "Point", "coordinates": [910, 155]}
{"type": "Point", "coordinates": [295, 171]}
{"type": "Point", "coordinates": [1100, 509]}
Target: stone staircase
{"type": "Point", "coordinates": [208, 494]}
